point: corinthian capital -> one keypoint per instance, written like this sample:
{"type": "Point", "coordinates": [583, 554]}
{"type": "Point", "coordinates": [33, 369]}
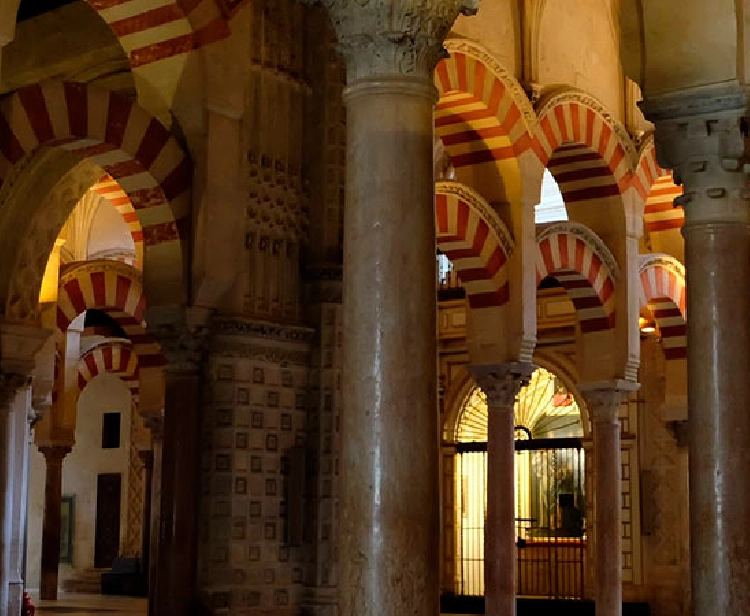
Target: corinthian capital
{"type": "Point", "coordinates": [502, 382]}
{"type": "Point", "coordinates": [381, 38]}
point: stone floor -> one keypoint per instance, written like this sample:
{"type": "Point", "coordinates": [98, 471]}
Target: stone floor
{"type": "Point", "coordinates": [80, 605]}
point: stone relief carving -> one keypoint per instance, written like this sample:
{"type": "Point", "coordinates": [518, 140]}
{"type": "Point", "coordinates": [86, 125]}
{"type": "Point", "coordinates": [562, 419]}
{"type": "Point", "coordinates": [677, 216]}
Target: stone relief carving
{"type": "Point", "coordinates": [589, 237]}
{"type": "Point", "coordinates": [477, 203]}
{"type": "Point", "coordinates": [389, 37]}
{"type": "Point", "coordinates": [183, 340]}
{"type": "Point", "coordinates": [502, 382]}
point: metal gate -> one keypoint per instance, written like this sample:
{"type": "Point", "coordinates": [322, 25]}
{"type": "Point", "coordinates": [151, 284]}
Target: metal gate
{"type": "Point", "coordinates": [550, 522]}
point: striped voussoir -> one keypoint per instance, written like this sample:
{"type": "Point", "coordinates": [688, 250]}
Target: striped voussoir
{"type": "Point", "coordinates": [112, 357]}
{"type": "Point", "coordinates": [582, 151]}
{"type": "Point", "coordinates": [477, 117]}
{"type": "Point", "coordinates": [114, 288]}
{"type": "Point", "coordinates": [110, 190]}
{"type": "Point", "coordinates": [151, 31]}
{"type": "Point", "coordinates": [133, 148]}
{"type": "Point", "coordinates": [657, 187]}
{"type": "Point", "coordinates": [475, 249]}
{"type": "Point", "coordinates": [663, 289]}
{"type": "Point", "coordinates": [582, 270]}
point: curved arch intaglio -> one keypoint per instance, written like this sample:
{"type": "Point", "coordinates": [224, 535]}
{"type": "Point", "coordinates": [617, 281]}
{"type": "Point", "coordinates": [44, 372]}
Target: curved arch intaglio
{"type": "Point", "coordinates": [584, 266]}
{"type": "Point", "coordinates": [663, 289]}
{"type": "Point", "coordinates": [114, 357]}
{"type": "Point", "coordinates": [476, 241]}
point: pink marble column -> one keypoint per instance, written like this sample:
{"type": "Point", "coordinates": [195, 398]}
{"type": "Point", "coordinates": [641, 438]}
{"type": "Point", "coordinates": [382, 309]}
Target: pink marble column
{"type": "Point", "coordinates": [390, 506]}
{"type": "Point", "coordinates": [708, 154]}
{"type": "Point", "coordinates": [501, 384]}
{"type": "Point", "coordinates": [603, 401]}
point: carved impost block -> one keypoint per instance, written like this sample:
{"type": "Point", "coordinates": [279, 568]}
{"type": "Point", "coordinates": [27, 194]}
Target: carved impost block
{"type": "Point", "coordinates": [18, 347]}
{"type": "Point", "coordinates": [182, 333]}
{"type": "Point", "coordinates": [380, 38]}
{"type": "Point", "coordinates": [155, 424]}
{"type": "Point", "coordinates": [502, 382]}
{"type": "Point", "coordinates": [700, 134]}
{"type": "Point", "coordinates": [604, 398]}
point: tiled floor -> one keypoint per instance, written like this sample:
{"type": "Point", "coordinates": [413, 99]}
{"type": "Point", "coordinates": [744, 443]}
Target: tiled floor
{"type": "Point", "coordinates": [83, 605]}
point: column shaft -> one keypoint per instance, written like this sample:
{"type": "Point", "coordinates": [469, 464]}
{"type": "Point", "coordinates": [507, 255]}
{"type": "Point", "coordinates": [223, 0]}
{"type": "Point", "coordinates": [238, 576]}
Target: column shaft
{"type": "Point", "coordinates": [718, 269]}
{"type": "Point", "coordinates": [607, 512]}
{"type": "Point", "coordinates": [6, 518]}
{"type": "Point", "coordinates": [389, 504]}
{"type": "Point", "coordinates": [178, 520]}
{"type": "Point", "coordinates": [157, 431]}
{"type": "Point", "coordinates": [51, 522]}
{"type": "Point", "coordinates": [147, 457]}
{"type": "Point", "coordinates": [500, 528]}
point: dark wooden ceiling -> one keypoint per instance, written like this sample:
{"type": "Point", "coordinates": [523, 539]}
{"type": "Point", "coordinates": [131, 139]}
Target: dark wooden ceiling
{"type": "Point", "coordinates": [32, 8]}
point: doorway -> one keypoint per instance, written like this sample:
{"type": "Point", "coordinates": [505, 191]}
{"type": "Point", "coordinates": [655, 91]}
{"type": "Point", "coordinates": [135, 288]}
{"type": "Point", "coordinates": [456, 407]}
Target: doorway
{"type": "Point", "coordinates": [107, 537]}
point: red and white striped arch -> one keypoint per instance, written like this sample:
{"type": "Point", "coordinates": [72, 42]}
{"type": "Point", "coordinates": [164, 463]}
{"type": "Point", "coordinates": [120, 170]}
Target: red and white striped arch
{"type": "Point", "coordinates": [133, 148]}
{"type": "Point", "coordinates": [110, 190]}
{"type": "Point", "coordinates": [582, 150]}
{"type": "Point", "coordinates": [480, 117]}
{"type": "Point", "coordinates": [114, 288]}
{"type": "Point", "coordinates": [476, 241]}
{"type": "Point", "coordinates": [155, 31]}
{"type": "Point", "coordinates": [574, 255]}
{"type": "Point", "coordinates": [116, 358]}
{"type": "Point", "coordinates": [657, 187]}
{"type": "Point", "coordinates": [663, 289]}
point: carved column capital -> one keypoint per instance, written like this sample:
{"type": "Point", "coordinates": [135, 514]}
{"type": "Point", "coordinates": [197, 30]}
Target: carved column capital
{"type": "Point", "coordinates": [146, 456]}
{"type": "Point", "coordinates": [182, 334]}
{"type": "Point", "coordinates": [502, 382]}
{"type": "Point", "coordinates": [380, 38]}
{"type": "Point", "coordinates": [10, 384]}
{"type": "Point", "coordinates": [700, 134]}
{"type": "Point", "coordinates": [54, 454]}
{"type": "Point", "coordinates": [604, 398]}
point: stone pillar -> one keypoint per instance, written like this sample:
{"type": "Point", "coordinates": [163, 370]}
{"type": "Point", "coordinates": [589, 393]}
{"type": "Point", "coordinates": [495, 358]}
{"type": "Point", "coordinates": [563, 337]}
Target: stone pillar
{"type": "Point", "coordinates": [700, 133]}
{"type": "Point", "coordinates": [603, 400]}
{"type": "Point", "coordinates": [390, 525]}
{"type": "Point", "coordinates": [147, 459]}
{"type": "Point", "coordinates": [182, 341]}
{"type": "Point", "coordinates": [10, 383]}
{"type": "Point", "coordinates": [501, 384]}
{"type": "Point", "coordinates": [156, 427]}
{"type": "Point", "coordinates": [51, 522]}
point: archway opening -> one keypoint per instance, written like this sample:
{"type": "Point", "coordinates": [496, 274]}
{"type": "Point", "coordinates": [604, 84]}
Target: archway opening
{"type": "Point", "coordinates": [549, 491]}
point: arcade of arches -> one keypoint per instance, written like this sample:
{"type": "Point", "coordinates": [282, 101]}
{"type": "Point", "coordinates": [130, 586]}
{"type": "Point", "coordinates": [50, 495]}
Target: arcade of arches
{"type": "Point", "coordinates": [375, 308]}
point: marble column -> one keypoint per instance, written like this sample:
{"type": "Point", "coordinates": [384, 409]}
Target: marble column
{"type": "Point", "coordinates": [501, 384]}
{"type": "Point", "coordinates": [9, 386]}
{"type": "Point", "coordinates": [182, 336]}
{"type": "Point", "coordinates": [147, 459]}
{"type": "Point", "coordinates": [603, 400]}
{"type": "Point", "coordinates": [701, 135]}
{"type": "Point", "coordinates": [389, 531]}
{"type": "Point", "coordinates": [156, 426]}
{"type": "Point", "coordinates": [51, 521]}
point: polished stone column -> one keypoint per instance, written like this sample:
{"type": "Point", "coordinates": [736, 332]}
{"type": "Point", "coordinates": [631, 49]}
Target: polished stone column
{"type": "Point", "coordinates": [51, 522]}
{"type": "Point", "coordinates": [182, 336]}
{"type": "Point", "coordinates": [147, 459]}
{"type": "Point", "coordinates": [501, 384]}
{"type": "Point", "coordinates": [156, 426]}
{"type": "Point", "coordinates": [701, 134]}
{"type": "Point", "coordinates": [603, 400]}
{"type": "Point", "coordinates": [9, 385]}
{"type": "Point", "coordinates": [389, 546]}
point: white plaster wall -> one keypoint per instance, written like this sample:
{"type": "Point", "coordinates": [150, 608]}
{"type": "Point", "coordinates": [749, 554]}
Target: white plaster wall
{"type": "Point", "coordinates": [579, 47]}
{"type": "Point", "coordinates": [106, 393]}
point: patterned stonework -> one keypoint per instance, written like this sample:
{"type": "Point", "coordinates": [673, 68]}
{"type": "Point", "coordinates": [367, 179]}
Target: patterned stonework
{"type": "Point", "coordinates": [254, 423]}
